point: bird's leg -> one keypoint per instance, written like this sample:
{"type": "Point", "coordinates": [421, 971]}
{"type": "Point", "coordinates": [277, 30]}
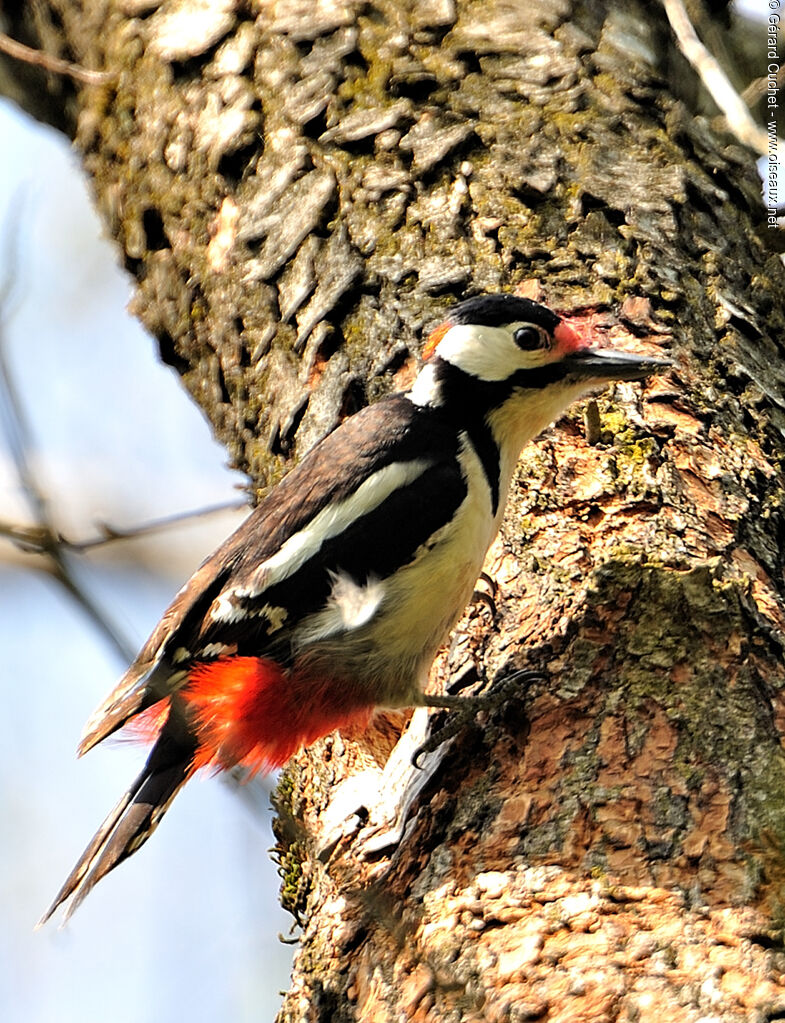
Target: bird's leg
{"type": "Point", "coordinates": [465, 708]}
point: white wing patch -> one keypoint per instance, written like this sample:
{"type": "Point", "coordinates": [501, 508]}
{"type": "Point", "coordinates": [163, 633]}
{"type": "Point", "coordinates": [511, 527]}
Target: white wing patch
{"type": "Point", "coordinates": [214, 650]}
{"type": "Point", "coordinates": [426, 596]}
{"type": "Point", "coordinates": [225, 610]}
{"type": "Point", "coordinates": [276, 616]}
{"type": "Point", "coordinates": [389, 631]}
{"type": "Point", "coordinates": [330, 521]}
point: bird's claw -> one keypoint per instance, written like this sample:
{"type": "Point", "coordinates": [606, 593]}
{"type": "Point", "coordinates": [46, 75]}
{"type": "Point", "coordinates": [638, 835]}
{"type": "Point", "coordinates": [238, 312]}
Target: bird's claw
{"type": "Point", "coordinates": [448, 730]}
{"type": "Point", "coordinates": [465, 708]}
{"type": "Point", "coordinates": [487, 597]}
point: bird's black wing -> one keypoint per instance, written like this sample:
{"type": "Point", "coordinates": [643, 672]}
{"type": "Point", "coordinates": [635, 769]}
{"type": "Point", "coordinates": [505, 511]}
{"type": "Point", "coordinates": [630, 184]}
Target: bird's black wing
{"type": "Point", "coordinates": [362, 501]}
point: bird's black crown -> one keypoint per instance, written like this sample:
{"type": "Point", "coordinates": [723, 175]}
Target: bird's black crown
{"type": "Point", "coordinates": [497, 310]}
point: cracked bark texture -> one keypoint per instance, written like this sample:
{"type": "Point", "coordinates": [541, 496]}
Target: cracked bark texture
{"type": "Point", "coordinates": [300, 187]}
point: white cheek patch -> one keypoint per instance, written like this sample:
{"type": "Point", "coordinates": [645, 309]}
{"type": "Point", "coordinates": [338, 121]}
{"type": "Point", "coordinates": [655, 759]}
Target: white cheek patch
{"type": "Point", "coordinates": [488, 353]}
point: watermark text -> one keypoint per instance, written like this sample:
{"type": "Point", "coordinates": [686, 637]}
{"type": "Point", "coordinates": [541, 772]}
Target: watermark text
{"type": "Point", "coordinates": [771, 183]}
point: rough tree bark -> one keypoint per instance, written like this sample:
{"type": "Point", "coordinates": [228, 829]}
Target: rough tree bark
{"type": "Point", "coordinates": [299, 187]}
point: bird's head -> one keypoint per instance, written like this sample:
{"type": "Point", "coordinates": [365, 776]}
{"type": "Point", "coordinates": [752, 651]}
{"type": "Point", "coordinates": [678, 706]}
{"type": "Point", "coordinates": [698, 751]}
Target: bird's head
{"type": "Point", "coordinates": [517, 365]}
{"type": "Point", "coordinates": [502, 337]}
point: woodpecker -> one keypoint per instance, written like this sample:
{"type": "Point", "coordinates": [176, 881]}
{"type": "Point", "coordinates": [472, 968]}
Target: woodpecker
{"type": "Point", "coordinates": [333, 597]}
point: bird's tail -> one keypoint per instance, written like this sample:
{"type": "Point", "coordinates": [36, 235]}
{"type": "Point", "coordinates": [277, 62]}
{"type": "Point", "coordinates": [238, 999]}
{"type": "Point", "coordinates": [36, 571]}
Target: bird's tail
{"type": "Point", "coordinates": [245, 711]}
{"type": "Point", "coordinates": [133, 820]}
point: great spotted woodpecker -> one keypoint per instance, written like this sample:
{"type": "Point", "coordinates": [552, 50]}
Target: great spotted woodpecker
{"type": "Point", "coordinates": [333, 597]}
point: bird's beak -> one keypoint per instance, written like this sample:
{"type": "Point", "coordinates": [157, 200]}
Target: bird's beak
{"type": "Point", "coordinates": [607, 364]}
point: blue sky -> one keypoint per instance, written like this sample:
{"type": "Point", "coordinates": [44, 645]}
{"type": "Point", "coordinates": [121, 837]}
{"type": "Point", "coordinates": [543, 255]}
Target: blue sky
{"type": "Point", "coordinates": [188, 927]}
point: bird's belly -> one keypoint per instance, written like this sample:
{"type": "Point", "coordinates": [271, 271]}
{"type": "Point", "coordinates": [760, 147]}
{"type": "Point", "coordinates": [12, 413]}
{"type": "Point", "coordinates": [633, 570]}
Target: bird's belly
{"type": "Point", "coordinates": [422, 608]}
{"type": "Point", "coordinates": [384, 639]}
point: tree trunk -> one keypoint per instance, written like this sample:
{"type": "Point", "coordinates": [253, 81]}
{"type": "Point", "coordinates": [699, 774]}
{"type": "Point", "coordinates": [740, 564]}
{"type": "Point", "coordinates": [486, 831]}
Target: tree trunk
{"type": "Point", "coordinates": [300, 187]}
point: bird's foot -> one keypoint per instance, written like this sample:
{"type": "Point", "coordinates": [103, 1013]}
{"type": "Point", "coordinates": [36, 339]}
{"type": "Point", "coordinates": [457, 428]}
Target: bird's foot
{"type": "Point", "coordinates": [486, 593]}
{"type": "Point", "coordinates": [465, 708]}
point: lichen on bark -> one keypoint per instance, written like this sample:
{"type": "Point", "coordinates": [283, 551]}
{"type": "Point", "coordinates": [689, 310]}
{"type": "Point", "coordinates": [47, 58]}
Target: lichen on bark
{"type": "Point", "coordinates": [389, 158]}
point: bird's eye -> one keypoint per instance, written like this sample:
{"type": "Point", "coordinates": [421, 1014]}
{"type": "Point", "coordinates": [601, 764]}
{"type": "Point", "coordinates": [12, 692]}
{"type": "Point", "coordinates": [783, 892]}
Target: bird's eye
{"type": "Point", "coordinates": [530, 338]}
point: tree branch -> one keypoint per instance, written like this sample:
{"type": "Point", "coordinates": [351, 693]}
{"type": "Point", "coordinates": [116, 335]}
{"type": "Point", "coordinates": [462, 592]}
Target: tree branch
{"type": "Point", "coordinates": [37, 58]}
{"type": "Point", "coordinates": [717, 83]}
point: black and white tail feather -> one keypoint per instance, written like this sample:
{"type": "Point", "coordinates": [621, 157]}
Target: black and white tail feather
{"type": "Point", "coordinates": [130, 823]}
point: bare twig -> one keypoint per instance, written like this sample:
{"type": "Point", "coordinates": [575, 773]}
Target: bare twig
{"type": "Point", "coordinates": [758, 87]}
{"type": "Point", "coordinates": [37, 540]}
{"type": "Point", "coordinates": [33, 539]}
{"type": "Point", "coordinates": [719, 86]}
{"type": "Point", "coordinates": [13, 48]}
{"type": "Point", "coordinates": [45, 537]}
{"type": "Point", "coordinates": [109, 533]}
{"type": "Point", "coordinates": [41, 536]}
{"type": "Point", "coordinates": [18, 436]}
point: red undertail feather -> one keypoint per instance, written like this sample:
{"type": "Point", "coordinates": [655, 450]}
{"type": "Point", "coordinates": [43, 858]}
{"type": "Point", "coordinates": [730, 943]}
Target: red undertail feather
{"type": "Point", "coordinates": [250, 711]}
{"type": "Point", "coordinates": [238, 710]}
{"type": "Point", "coordinates": [146, 726]}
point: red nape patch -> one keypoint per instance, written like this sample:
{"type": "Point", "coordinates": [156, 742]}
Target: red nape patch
{"type": "Point", "coordinates": [147, 724]}
{"type": "Point", "coordinates": [575, 332]}
{"type": "Point", "coordinates": [434, 338]}
{"type": "Point", "coordinates": [250, 711]}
